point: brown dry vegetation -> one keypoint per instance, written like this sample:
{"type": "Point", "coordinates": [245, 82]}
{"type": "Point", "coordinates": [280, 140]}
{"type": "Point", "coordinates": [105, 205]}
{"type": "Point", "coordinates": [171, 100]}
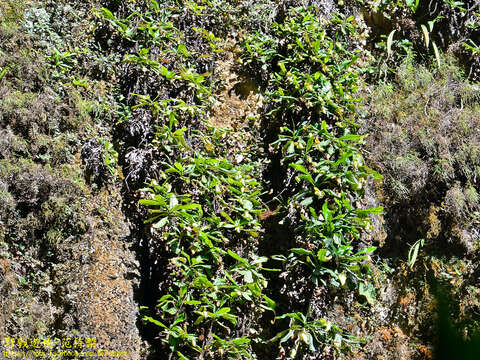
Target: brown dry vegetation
{"type": "Point", "coordinates": [64, 260]}
{"type": "Point", "coordinates": [423, 135]}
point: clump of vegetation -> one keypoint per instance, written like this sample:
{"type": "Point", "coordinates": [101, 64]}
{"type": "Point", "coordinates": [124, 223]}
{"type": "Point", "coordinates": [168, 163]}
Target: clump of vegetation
{"type": "Point", "coordinates": [205, 228]}
{"type": "Point", "coordinates": [317, 171]}
{"type": "Point", "coordinates": [206, 210]}
{"type": "Point", "coordinates": [423, 139]}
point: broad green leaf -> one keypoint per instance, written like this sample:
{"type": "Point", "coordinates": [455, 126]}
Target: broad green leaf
{"type": "Point", "coordinates": [299, 167]}
{"type": "Point", "coordinates": [247, 204]}
{"type": "Point", "coordinates": [156, 322]}
{"type": "Point", "coordinates": [437, 54]}
{"type": "Point", "coordinates": [322, 255]}
{"type": "Point", "coordinates": [368, 291]}
{"type": "Point", "coordinates": [247, 277]}
{"type": "Point", "coordinates": [307, 201]}
{"type": "Point", "coordinates": [179, 166]}
{"type": "Point", "coordinates": [149, 202]}
{"type": "Point", "coordinates": [389, 43]}
{"type": "Point", "coordinates": [269, 302]}
{"type": "Point", "coordinates": [291, 147]}
{"type": "Point", "coordinates": [363, 212]}
{"type": "Point", "coordinates": [241, 341]}
{"type": "Point", "coordinates": [173, 201]}
{"type": "Point", "coordinates": [172, 311]}
{"type": "Point", "coordinates": [237, 257]}
{"type": "Point", "coordinates": [192, 302]}
{"type": "Point", "coordinates": [351, 137]}
{"type": "Point", "coordinates": [161, 223]}
{"type": "Point", "coordinates": [287, 336]}
{"type": "Point", "coordinates": [223, 311]}
{"type": "Point", "coordinates": [426, 35]}
{"type": "Point", "coordinates": [301, 251]}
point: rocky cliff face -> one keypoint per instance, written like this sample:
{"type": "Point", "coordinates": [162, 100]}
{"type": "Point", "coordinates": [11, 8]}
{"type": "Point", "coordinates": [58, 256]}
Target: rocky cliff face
{"type": "Point", "coordinates": [66, 270]}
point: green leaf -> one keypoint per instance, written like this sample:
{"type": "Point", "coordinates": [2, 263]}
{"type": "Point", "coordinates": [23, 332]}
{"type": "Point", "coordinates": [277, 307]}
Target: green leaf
{"type": "Point", "coordinates": [426, 35]}
{"type": "Point", "coordinates": [307, 178]}
{"type": "Point", "coordinates": [108, 14]}
{"type": "Point", "coordinates": [299, 167]}
{"type": "Point", "coordinates": [153, 321]}
{"type": "Point", "coordinates": [188, 207]}
{"type": "Point", "coordinates": [287, 336]}
{"type": "Point", "coordinates": [173, 201]}
{"type": "Point", "coordinates": [248, 277]}
{"type": "Point", "coordinates": [389, 43]}
{"type": "Point", "coordinates": [226, 216]}
{"type": "Point", "coordinates": [269, 302]}
{"type": "Point", "coordinates": [161, 223]}
{"type": "Point", "coordinates": [181, 356]}
{"type": "Point", "coordinates": [182, 49]}
{"type": "Point", "coordinates": [368, 250]}
{"type": "Point", "coordinates": [179, 166]}
{"type": "Point", "coordinates": [192, 302]}
{"type": "Point", "coordinates": [311, 345]}
{"type": "Point", "coordinates": [437, 54]}
{"type": "Point", "coordinates": [291, 148]}
{"type": "Point", "coordinates": [413, 252]}
{"type": "Point", "coordinates": [247, 204]}
{"type": "Point", "coordinates": [155, 5]}
{"type": "Point", "coordinates": [237, 257]}
{"type": "Point", "coordinates": [172, 311]}
{"type": "Point", "coordinates": [322, 255]}
{"type": "Point", "coordinates": [301, 251]}
{"type": "Point", "coordinates": [151, 220]}
{"type": "Point", "coordinates": [307, 201]}
{"type": "Point", "coordinates": [241, 341]}
{"type": "Point", "coordinates": [149, 202]}
{"type": "Point", "coordinates": [223, 311]}
{"type": "Point", "coordinates": [364, 212]}
{"type": "Point", "coordinates": [4, 72]}
{"type": "Point", "coordinates": [199, 320]}
{"type": "Point", "coordinates": [412, 4]}
{"type": "Point", "coordinates": [368, 291]}
{"type": "Point", "coordinates": [230, 317]}
{"type": "Point", "coordinates": [351, 137]}
{"type": "Point", "coordinates": [327, 213]}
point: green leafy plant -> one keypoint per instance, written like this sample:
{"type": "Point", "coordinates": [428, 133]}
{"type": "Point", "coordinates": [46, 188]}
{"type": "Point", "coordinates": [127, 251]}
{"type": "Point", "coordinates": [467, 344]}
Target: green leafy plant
{"type": "Point", "coordinates": [110, 157]}
{"type": "Point", "coordinates": [62, 60]}
{"type": "Point", "coordinates": [412, 4]}
{"type": "Point", "coordinates": [413, 252]}
{"type": "Point", "coordinates": [311, 84]}
{"type": "Point", "coordinates": [307, 333]}
{"type": "Point", "coordinates": [328, 88]}
{"type": "Point", "coordinates": [210, 292]}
